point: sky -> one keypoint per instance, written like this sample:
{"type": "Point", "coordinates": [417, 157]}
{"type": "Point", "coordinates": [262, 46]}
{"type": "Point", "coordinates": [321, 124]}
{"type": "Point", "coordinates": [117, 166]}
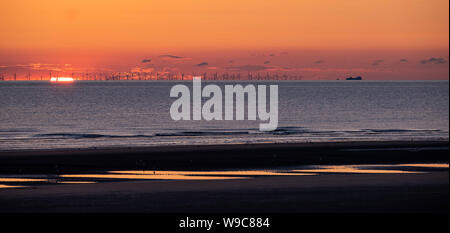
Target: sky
{"type": "Point", "coordinates": [322, 39]}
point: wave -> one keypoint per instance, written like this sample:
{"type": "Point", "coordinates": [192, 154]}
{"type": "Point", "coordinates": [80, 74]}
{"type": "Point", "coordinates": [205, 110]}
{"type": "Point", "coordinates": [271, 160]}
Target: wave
{"type": "Point", "coordinates": [283, 131]}
{"type": "Point", "coordinates": [400, 130]}
{"type": "Point", "coordinates": [201, 133]}
{"type": "Point", "coordinates": [87, 135]}
{"type": "Point", "coordinates": [16, 130]}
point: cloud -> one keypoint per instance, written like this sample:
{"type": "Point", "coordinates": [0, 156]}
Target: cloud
{"type": "Point", "coordinates": [247, 68]}
{"type": "Point", "coordinates": [434, 60]}
{"type": "Point", "coordinates": [202, 64]}
{"type": "Point", "coordinates": [267, 62]}
{"type": "Point", "coordinates": [42, 67]}
{"type": "Point", "coordinates": [146, 60]}
{"type": "Point", "coordinates": [377, 62]}
{"type": "Point", "coordinates": [404, 60]}
{"type": "Point", "coordinates": [170, 56]}
{"type": "Point", "coordinates": [257, 68]}
{"type": "Point", "coordinates": [173, 57]}
{"type": "Point", "coordinates": [142, 70]}
{"type": "Point", "coordinates": [274, 69]}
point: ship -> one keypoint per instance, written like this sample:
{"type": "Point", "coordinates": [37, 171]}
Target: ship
{"type": "Point", "coordinates": [355, 78]}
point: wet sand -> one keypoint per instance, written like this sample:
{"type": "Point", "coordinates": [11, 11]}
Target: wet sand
{"type": "Point", "coordinates": [288, 194]}
{"type": "Point", "coordinates": [323, 193]}
{"type": "Point", "coordinates": [221, 156]}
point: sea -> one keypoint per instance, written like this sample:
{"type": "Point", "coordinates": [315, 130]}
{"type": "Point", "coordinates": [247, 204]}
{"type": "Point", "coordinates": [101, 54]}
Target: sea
{"type": "Point", "coordinates": [106, 114]}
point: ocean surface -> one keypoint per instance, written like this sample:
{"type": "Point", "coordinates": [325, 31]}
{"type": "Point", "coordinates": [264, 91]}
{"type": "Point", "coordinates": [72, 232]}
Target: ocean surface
{"type": "Point", "coordinates": [88, 114]}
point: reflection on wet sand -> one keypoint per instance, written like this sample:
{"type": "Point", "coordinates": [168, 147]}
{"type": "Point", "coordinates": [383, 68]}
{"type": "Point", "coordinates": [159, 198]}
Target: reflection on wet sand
{"type": "Point", "coordinates": [184, 175]}
{"type": "Point", "coordinates": [354, 169]}
{"type": "Point", "coordinates": [11, 179]}
{"type": "Point", "coordinates": [430, 165]}
{"type": "Point", "coordinates": [11, 186]}
{"type": "Point", "coordinates": [208, 173]}
{"type": "Point", "coordinates": [148, 177]}
{"type": "Point", "coordinates": [108, 176]}
{"type": "Point", "coordinates": [374, 168]}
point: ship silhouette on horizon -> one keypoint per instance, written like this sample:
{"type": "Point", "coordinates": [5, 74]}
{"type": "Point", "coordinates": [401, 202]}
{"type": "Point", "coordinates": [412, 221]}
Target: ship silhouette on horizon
{"type": "Point", "coordinates": [355, 78]}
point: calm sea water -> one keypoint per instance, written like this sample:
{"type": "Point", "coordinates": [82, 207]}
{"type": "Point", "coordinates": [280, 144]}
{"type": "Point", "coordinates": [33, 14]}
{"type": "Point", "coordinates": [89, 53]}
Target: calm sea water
{"type": "Point", "coordinates": [40, 115]}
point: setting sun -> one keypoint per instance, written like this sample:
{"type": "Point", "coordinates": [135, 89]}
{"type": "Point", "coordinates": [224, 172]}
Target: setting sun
{"type": "Point", "coordinates": [61, 79]}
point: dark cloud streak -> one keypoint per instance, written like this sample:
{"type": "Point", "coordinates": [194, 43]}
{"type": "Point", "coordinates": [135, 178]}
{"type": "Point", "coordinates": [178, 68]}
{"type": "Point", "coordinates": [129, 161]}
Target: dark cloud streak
{"type": "Point", "coordinates": [247, 68]}
{"type": "Point", "coordinates": [377, 62]}
{"type": "Point", "coordinates": [434, 60]}
{"type": "Point", "coordinates": [202, 64]}
{"type": "Point", "coordinates": [170, 56]}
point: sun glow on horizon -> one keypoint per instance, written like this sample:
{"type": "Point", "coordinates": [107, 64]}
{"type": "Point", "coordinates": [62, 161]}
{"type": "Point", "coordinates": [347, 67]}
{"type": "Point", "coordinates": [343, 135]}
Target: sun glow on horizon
{"type": "Point", "coordinates": [62, 80]}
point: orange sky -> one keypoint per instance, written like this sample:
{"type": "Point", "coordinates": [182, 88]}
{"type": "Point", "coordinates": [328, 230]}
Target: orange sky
{"type": "Point", "coordinates": [86, 33]}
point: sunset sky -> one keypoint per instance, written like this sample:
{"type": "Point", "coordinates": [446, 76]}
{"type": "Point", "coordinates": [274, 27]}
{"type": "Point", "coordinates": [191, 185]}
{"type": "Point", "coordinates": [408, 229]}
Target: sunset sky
{"type": "Point", "coordinates": [323, 39]}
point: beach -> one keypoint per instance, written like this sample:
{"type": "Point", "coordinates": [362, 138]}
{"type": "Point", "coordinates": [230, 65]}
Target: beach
{"type": "Point", "coordinates": [224, 116]}
{"type": "Point", "coordinates": [408, 179]}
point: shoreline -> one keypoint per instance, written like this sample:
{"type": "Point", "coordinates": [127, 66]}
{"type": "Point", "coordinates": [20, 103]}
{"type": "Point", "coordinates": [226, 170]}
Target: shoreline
{"type": "Point", "coordinates": [176, 148]}
{"type": "Point", "coordinates": [236, 156]}
{"type": "Point", "coordinates": [423, 191]}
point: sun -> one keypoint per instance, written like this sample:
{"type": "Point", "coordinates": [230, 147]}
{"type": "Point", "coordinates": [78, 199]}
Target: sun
{"type": "Point", "coordinates": [61, 80]}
